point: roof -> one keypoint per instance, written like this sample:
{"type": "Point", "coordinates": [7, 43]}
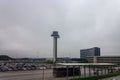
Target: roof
{"type": "Point", "coordinates": [103, 56]}
{"type": "Point", "coordinates": [85, 64]}
{"type": "Point", "coordinates": [89, 49]}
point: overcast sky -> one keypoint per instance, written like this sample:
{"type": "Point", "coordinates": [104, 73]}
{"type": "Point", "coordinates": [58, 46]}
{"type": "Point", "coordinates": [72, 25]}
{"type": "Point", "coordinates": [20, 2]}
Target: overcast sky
{"type": "Point", "coordinates": [26, 27]}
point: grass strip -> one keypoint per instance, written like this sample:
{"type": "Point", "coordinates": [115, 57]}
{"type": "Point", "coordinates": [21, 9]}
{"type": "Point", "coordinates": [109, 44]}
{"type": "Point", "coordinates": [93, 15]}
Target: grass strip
{"type": "Point", "coordinates": [97, 77]}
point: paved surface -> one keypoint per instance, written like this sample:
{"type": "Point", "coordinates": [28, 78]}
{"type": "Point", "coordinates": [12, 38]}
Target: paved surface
{"type": "Point", "coordinates": [29, 75]}
{"type": "Point", "coordinates": [38, 75]}
{"type": "Point", "coordinates": [113, 78]}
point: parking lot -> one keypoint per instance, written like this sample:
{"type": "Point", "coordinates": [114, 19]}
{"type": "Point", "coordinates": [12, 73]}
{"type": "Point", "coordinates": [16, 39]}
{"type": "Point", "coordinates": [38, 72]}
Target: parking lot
{"type": "Point", "coordinates": [26, 71]}
{"type": "Point", "coordinates": [22, 66]}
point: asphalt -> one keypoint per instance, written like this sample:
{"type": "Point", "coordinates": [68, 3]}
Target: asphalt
{"type": "Point", "coordinates": [29, 75]}
{"type": "Point", "coordinates": [46, 74]}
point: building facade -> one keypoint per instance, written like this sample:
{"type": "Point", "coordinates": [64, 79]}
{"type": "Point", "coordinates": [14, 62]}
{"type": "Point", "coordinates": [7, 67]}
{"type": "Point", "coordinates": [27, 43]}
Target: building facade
{"type": "Point", "coordinates": [104, 59]}
{"type": "Point", "coordinates": [84, 53]}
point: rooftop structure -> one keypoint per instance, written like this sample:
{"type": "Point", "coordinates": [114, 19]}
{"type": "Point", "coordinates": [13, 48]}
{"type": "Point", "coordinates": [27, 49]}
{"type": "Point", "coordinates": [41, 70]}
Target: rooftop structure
{"type": "Point", "coordinates": [82, 69]}
{"type": "Point", "coordinates": [85, 64]}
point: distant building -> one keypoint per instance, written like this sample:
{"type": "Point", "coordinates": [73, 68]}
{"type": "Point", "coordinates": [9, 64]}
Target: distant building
{"type": "Point", "coordinates": [30, 59]}
{"type": "Point", "coordinates": [103, 59]}
{"type": "Point", "coordinates": [64, 59]}
{"type": "Point", "coordinates": [84, 53]}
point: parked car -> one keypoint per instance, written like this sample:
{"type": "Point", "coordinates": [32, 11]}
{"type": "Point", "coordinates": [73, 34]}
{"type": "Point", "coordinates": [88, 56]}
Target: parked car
{"type": "Point", "coordinates": [3, 68]}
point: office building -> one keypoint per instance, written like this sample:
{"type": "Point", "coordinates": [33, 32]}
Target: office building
{"type": "Point", "coordinates": [84, 53]}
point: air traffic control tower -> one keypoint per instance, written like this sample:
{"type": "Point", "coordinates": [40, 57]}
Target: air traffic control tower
{"type": "Point", "coordinates": [55, 35]}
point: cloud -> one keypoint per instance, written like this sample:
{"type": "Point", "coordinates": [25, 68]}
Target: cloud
{"type": "Point", "coordinates": [26, 26]}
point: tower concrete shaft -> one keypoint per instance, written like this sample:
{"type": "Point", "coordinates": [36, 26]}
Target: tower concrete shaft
{"type": "Point", "coordinates": [55, 50]}
{"type": "Point", "coordinates": [55, 36]}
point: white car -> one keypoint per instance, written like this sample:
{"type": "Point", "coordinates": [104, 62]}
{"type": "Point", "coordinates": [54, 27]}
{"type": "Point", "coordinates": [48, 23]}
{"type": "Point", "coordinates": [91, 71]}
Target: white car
{"type": "Point", "coordinates": [42, 67]}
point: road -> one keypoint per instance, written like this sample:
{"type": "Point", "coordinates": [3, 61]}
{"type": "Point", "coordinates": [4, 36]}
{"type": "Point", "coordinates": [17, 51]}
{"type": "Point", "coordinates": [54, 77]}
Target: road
{"type": "Point", "coordinates": [29, 75]}
{"type": "Point", "coordinates": [36, 75]}
{"type": "Point", "coordinates": [26, 75]}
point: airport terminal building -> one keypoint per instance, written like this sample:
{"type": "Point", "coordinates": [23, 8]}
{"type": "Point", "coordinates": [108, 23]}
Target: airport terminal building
{"type": "Point", "coordinates": [104, 59]}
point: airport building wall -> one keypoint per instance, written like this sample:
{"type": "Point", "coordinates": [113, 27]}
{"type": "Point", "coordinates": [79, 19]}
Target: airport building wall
{"type": "Point", "coordinates": [104, 59]}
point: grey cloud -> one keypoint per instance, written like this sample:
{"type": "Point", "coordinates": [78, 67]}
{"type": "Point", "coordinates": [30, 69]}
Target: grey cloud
{"type": "Point", "coordinates": [26, 26]}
